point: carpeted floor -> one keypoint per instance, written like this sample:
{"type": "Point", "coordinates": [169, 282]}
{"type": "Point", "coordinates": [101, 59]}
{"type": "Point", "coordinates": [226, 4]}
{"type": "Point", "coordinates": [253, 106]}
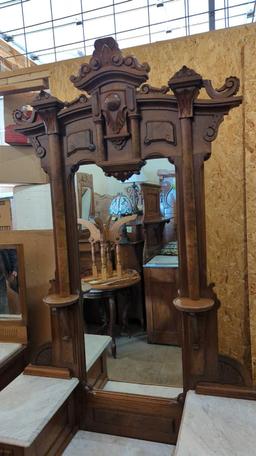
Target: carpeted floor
{"type": "Point", "coordinates": [140, 362]}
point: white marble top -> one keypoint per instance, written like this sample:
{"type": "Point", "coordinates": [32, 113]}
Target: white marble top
{"type": "Point", "coordinates": [145, 390]}
{"type": "Point", "coordinates": [27, 404]}
{"type": "Point", "coordinates": [94, 347]}
{"type": "Point", "coordinates": [163, 261]}
{"type": "Point", "coordinates": [217, 426]}
{"type": "Point", "coordinates": [94, 444]}
{"type": "Point", "coordinates": [7, 349]}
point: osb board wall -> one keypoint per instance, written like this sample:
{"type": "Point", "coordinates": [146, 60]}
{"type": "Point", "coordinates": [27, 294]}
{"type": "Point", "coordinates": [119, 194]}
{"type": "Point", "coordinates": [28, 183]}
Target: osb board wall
{"type": "Point", "coordinates": [250, 183]}
{"type": "Point", "coordinates": [230, 173]}
{"type": "Point", "coordinates": [39, 269]}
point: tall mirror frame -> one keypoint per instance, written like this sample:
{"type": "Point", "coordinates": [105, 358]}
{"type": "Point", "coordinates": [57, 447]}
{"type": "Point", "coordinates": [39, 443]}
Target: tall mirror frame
{"type": "Point", "coordinates": [120, 123]}
{"type": "Point", "coordinates": [13, 327]}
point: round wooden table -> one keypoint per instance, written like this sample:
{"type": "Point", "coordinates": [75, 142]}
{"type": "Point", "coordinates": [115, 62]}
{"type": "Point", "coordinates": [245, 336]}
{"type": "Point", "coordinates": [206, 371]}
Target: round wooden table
{"type": "Point", "coordinates": [98, 288]}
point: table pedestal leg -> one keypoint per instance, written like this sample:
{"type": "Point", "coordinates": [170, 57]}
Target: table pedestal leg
{"type": "Point", "coordinates": [128, 298]}
{"type": "Point", "coordinates": [112, 317]}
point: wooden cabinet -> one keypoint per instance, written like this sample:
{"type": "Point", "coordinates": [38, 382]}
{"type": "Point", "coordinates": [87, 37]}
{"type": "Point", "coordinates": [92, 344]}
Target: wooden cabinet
{"type": "Point", "coordinates": [163, 320]}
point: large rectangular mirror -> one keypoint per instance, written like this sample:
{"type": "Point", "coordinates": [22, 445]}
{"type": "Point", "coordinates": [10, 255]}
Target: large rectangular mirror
{"type": "Point", "coordinates": [139, 315]}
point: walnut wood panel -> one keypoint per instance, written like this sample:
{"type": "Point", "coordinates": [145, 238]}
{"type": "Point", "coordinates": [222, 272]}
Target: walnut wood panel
{"type": "Point", "coordinates": [97, 374]}
{"type": "Point", "coordinates": [151, 201]}
{"type": "Point", "coordinates": [163, 320]}
{"type": "Point", "coordinates": [142, 417]}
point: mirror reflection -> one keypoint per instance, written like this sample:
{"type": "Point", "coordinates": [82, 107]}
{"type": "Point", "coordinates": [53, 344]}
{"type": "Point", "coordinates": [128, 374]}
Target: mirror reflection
{"type": "Point", "coordinates": [129, 262]}
{"type": "Point", "coordinates": [10, 302]}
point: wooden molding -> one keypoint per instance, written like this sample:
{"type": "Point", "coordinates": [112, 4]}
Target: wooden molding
{"type": "Point", "coordinates": [13, 333]}
{"type": "Point", "coordinates": [232, 391]}
{"type": "Point", "coordinates": [47, 371]}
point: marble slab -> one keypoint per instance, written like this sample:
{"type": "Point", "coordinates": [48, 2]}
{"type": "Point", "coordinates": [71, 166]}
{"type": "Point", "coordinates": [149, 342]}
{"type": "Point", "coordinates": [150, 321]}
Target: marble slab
{"type": "Point", "coordinates": [94, 347]}
{"type": "Point", "coordinates": [8, 349]}
{"type": "Point", "coordinates": [94, 444]}
{"type": "Point", "coordinates": [145, 390]}
{"type": "Point", "coordinates": [217, 426]}
{"type": "Point", "coordinates": [27, 404]}
{"type": "Point", "coordinates": [163, 261]}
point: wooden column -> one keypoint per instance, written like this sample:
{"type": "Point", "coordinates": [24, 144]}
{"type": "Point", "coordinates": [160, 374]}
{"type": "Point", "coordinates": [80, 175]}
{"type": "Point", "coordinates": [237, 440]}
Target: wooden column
{"type": "Point", "coordinates": [192, 302]}
{"type": "Point", "coordinates": [66, 316]}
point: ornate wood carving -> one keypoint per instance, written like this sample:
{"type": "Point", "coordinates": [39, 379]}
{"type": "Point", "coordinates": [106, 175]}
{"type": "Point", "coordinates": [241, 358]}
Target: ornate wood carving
{"type": "Point", "coordinates": [81, 99]}
{"type": "Point", "coordinates": [120, 113]}
{"type": "Point", "coordinates": [40, 150]}
{"type": "Point", "coordinates": [147, 88]}
{"type": "Point", "coordinates": [212, 131]}
{"type": "Point", "coordinates": [160, 131]}
{"type": "Point", "coordinates": [106, 54]}
{"type": "Point", "coordinates": [81, 140]}
{"type": "Point", "coordinates": [229, 88]}
{"type": "Point", "coordinates": [186, 84]}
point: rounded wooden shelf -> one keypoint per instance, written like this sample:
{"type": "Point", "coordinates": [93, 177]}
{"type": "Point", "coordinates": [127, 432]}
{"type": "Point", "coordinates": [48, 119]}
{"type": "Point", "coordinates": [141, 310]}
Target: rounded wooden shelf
{"type": "Point", "coordinates": [129, 278]}
{"type": "Point", "coordinates": [193, 305]}
{"type": "Point", "coordinates": [55, 300]}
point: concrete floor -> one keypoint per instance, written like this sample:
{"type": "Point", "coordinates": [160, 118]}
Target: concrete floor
{"type": "Point", "coordinates": [140, 362]}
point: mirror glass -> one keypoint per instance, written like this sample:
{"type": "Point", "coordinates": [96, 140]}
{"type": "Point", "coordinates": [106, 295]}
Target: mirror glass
{"type": "Point", "coordinates": [11, 282]}
{"type": "Point", "coordinates": [129, 283]}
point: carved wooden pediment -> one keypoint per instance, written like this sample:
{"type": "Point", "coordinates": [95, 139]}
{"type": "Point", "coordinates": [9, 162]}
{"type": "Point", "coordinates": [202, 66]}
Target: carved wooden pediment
{"type": "Point", "coordinates": [123, 121]}
{"type": "Point", "coordinates": [108, 62]}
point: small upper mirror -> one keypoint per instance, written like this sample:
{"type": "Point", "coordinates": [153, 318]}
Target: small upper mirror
{"type": "Point", "coordinates": [12, 282]}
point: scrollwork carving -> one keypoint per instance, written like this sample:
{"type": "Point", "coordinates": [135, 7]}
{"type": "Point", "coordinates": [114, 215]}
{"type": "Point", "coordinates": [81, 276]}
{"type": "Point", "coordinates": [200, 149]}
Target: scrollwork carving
{"type": "Point", "coordinates": [212, 131]}
{"type": "Point", "coordinates": [229, 88]}
{"type": "Point", "coordinates": [40, 150]}
{"type": "Point", "coordinates": [81, 99]}
{"type": "Point", "coordinates": [23, 115]}
{"type": "Point", "coordinates": [147, 88]}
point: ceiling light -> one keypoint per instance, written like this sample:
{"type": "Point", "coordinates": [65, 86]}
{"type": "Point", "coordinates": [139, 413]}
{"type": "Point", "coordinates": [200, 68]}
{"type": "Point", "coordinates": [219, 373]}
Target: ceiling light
{"type": "Point", "coordinates": [7, 38]}
{"type": "Point", "coordinates": [250, 14]}
{"type": "Point", "coordinates": [34, 57]}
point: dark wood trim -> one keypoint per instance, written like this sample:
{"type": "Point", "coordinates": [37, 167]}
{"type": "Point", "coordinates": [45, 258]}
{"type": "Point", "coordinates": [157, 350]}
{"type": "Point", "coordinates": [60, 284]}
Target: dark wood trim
{"type": "Point", "coordinates": [232, 391]}
{"type": "Point", "coordinates": [47, 371]}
